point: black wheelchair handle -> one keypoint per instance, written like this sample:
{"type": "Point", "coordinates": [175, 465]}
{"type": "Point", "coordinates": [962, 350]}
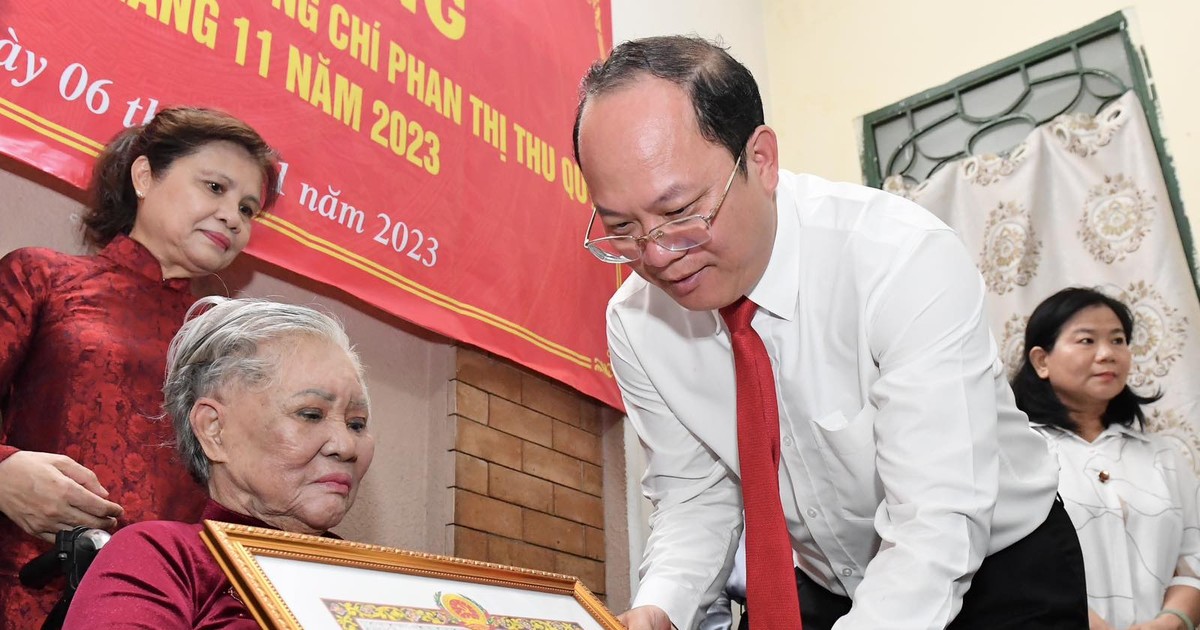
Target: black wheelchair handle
{"type": "Point", "coordinates": [38, 572]}
{"type": "Point", "coordinates": [71, 554]}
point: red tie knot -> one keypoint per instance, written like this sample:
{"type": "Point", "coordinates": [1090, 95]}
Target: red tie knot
{"type": "Point", "coordinates": [738, 315]}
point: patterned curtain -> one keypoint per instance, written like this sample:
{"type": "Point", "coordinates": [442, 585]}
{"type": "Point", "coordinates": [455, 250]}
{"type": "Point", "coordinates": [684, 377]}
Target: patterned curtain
{"type": "Point", "coordinates": [1082, 202]}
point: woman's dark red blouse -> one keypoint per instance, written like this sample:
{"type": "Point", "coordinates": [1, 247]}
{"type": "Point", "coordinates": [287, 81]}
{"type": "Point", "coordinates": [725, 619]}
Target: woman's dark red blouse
{"type": "Point", "coordinates": [160, 575]}
{"type": "Point", "coordinates": [83, 345]}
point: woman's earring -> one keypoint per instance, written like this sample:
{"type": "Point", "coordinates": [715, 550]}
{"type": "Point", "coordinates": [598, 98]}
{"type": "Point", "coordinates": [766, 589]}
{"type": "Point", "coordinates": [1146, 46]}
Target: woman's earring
{"type": "Point", "coordinates": [140, 194]}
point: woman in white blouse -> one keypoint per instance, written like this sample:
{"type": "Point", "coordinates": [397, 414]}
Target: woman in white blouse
{"type": "Point", "coordinates": [1132, 495]}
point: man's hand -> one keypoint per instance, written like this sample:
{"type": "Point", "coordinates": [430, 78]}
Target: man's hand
{"type": "Point", "coordinates": [44, 493]}
{"type": "Point", "coordinates": [645, 618]}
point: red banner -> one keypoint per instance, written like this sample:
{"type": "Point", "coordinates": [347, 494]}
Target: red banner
{"type": "Point", "coordinates": [427, 144]}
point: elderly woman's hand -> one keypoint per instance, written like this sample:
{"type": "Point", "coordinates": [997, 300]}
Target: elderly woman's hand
{"type": "Point", "coordinates": [1162, 622]}
{"type": "Point", "coordinates": [44, 493]}
{"type": "Point", "coordinates": [1096, 622]}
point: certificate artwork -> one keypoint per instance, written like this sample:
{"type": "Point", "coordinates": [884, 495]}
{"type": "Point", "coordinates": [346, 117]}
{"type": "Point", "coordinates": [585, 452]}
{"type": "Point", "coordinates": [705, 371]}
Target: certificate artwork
{"type": "Point", "coordinates": [293, 581]}
{"type": "Point", "coordinates": [453, 610]}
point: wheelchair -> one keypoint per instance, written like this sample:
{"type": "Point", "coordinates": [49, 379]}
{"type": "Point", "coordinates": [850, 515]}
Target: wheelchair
{"type": "Point", "coordinates": [72, 554]}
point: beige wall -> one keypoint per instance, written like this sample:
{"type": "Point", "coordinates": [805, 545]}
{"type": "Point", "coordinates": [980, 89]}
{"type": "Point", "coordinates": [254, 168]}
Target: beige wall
{"type": "Point", "coordinates": [831, 61]}
{"type": "Point", "coordinates": [739, 24]}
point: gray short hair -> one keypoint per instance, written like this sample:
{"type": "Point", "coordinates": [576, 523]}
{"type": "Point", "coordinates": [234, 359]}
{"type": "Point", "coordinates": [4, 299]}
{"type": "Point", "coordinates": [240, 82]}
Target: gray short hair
{"type": "Point", "coordinates": [219, 341]}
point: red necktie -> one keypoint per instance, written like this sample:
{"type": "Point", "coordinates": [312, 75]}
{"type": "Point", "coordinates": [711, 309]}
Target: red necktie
{"type": "Point", "coordinates": [771, 596]}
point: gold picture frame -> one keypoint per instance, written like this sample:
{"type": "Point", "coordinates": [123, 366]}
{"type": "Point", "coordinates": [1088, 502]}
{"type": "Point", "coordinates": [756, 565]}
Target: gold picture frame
{"type": "Point", "coordinates": [294, 581]}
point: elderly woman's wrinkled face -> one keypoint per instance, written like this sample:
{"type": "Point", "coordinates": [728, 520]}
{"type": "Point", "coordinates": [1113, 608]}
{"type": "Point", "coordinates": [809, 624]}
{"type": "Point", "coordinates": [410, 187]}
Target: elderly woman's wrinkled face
{"type": "Point", "coordinates": [295, 448]}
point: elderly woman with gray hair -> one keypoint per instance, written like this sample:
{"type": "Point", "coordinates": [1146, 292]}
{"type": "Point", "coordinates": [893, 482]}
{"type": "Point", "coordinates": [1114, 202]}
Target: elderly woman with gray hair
{"type": "Point", "coordinates": [270, 412]}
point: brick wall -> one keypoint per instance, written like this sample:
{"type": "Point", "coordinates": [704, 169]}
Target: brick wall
{"type": "Point", "coordinates": [528, 484]}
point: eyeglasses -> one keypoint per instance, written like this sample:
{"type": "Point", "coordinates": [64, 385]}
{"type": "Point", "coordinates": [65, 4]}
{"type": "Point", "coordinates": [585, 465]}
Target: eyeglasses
{"type": "Point", "coordinates": [674, 236]}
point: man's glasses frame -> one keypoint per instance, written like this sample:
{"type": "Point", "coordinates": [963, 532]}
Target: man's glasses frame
{"type": "Point", "coordinates": [676, 235]}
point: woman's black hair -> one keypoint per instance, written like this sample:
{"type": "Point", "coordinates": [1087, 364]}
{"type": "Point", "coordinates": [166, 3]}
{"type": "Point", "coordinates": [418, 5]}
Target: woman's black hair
{"type": "Point", "coordinates": [1034, 394]}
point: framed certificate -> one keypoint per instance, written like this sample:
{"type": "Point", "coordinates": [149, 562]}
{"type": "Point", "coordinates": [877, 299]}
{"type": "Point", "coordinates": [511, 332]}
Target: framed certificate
{"type": "Point", "coordinates": [293, 581]}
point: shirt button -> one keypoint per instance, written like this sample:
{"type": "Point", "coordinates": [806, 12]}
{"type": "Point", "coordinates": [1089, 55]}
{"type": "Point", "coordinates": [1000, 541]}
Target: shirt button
{"type": "Point", "coordinates": [847, 571]}
{"type": "Point", "coordinates": [787, 441]}
{"type": "Point", "coordinates": [812, 513]}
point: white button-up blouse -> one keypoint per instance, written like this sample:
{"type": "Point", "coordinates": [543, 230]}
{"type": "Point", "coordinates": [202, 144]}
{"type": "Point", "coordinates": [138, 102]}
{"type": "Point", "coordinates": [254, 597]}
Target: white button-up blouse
{"type": "Point", "coordinates": [1132, 497]}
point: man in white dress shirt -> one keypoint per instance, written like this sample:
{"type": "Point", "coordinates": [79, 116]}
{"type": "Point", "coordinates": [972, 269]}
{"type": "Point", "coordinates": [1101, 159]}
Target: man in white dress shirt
{"type": "Point", "coordinates": [720, 614]}
{"type": "Point", "coordinates": [906, 475]}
